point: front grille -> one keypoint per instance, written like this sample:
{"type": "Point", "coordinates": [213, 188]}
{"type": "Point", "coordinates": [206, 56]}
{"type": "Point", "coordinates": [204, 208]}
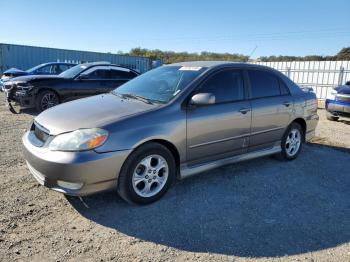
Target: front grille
{"type": "Point", "coordinates": [40, 132]}
{"type": "Point", "coordinates": [343, 98]}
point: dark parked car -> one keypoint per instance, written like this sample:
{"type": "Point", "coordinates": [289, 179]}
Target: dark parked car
{"type": "Point", "coordinates": [174, 121]}
{"type": "Point", "coordinates": [338, 102]}
{"type": "Point", "coordinates": [82, 80]}
{"type": "Point", "coordinates": [54, 68]}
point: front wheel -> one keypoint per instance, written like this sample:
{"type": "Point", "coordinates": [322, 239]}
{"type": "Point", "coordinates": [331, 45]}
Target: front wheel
{"type": "Point", "coordinates": [45, 100]}
{"type": "Point", "coordinates": [147, 174]}
{"type": "Point", "coordinates": [331, 117]}
{"type": "Point", "coordinates": [292, 142]}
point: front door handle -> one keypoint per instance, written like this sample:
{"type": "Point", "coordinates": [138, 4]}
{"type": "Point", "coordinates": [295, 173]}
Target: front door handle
{"type": "Point", "coordinates": [244, 110]}
{"type": "Point", "coordinates": [287, 104]}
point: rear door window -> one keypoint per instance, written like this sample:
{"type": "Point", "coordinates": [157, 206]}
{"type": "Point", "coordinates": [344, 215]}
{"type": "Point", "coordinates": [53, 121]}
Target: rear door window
{"type": "Point", "coordinates": [99, 74]}
{"type": "Point", "coordinates": [263, 84]}
{"type": "Point", "coordinates": [284, 88]}
{"type": "Point", "coordinates": [119, 74]}
{"type": "Point", "coordinates": [64, 67]}
{"type": "Point", "coordinates": [48, 69]}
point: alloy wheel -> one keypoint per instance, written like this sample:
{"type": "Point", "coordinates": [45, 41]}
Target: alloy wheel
{"type": "Point", "coordinates": [49, 100]}
{"type": "Point", "coordinates": [293, 142]}
{"type": "Point", "coordinates": [150, 176]}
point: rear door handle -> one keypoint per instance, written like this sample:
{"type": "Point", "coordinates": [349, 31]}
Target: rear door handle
{"type": "Point", "coordinates": [244, 110]}
{"type": "Point", "coordinates": [287, 104]}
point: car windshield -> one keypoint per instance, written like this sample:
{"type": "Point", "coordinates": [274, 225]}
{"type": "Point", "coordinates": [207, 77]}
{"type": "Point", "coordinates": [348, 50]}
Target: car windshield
{"type": "Point", "coordinates": [73, 71]}
{"type": "Point", "coordinates": [161, 84]}
{"type": "Point", "coordinates": [30, 70]}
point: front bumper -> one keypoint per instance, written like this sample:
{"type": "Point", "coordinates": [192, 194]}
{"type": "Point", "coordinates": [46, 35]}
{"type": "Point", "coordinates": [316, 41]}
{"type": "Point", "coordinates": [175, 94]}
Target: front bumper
{"type": "Point", "coordinates": [22, 98]}
{"type": "Point", "coordinates": [96, 172]}
{"type": "Point", "coordinates": [338, 108]}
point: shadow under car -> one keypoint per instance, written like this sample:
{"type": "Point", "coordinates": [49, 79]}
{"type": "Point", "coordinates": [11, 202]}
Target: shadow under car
{"type": "Point", "coordinates": [258, 208]}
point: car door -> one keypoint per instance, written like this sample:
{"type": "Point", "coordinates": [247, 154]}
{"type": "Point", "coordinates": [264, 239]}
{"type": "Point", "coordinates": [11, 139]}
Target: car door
{"type": "Point", "coordinates": [221, 129]}
{"type": "Point", "coordinates": [92, 81]}
{"type": "Point", "coordinates": [272, 107]}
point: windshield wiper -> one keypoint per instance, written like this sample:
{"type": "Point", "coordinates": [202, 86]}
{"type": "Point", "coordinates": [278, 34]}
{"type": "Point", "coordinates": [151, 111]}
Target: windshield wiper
{"type": "Point", "coordinates": [140, 98]}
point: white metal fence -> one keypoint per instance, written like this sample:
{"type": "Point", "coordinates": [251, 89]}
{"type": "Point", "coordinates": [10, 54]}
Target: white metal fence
{"type": "Point", "coordinates": [320, 75]}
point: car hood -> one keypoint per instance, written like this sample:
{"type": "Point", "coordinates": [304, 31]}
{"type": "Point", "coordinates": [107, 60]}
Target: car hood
{"type": "Point", "coordinates": [35, 77]}
{"type": "Point", "coordinates": [345, 89]}
{"type": "Point", "coordinates": [15, 71]}
{"type": "Point", "coordinates": [95, 111]}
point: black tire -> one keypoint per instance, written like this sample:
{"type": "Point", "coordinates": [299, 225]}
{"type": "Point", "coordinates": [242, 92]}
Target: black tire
{"type": "Point", "coordinates": [125, 182]}
{"type": "Point", "coordinates": [331, 117]}
{"type": "Point", "coordinates": [40, 100]}
{"type": "Point", "coordinates": [284, 154]}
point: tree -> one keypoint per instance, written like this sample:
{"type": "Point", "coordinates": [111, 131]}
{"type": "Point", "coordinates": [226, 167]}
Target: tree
{"type": "Point", "coordinates": [344, 54]}
{"type": "Point", "coordinates": [171, 57]}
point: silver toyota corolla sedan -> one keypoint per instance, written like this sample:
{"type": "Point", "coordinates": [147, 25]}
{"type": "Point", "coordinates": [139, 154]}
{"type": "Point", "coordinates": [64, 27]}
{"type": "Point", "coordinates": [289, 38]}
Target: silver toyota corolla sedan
{"type": "Point", "coordinates": [171, 122]}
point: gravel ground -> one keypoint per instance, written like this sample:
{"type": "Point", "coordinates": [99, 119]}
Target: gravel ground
{"type": "Point", "coordinates": [257, 210]}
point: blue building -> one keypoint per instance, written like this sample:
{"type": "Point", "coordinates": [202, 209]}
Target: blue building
{"type": "Point", "coordinates": [25, 57]}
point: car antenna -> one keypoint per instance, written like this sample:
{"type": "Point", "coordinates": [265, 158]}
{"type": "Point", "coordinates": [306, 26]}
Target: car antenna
{"type": "Point", "coordinates": [256, 47]}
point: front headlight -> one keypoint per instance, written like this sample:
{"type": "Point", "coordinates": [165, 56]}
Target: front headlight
{"type": "Point", "coordinates": [25, 86]}
{"type": "Point", "coordinates": [332, 94]}
{"type": "Point", "coordinates": [79, 140]}
{"type": "Point", "coordinates": [4, 78]}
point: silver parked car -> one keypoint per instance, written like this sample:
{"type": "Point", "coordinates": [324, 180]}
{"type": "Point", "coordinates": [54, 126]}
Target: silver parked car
{"type": "Point", "coordinates": [171, 122]}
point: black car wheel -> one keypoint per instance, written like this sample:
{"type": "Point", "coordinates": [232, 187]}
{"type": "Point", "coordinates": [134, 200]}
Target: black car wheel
{"type": "Point", "coordinates": [331, 117]}
{"type": "Point", "coordinates": [147, 174]}
{"type": "Point", "coordinates": [45, 100]}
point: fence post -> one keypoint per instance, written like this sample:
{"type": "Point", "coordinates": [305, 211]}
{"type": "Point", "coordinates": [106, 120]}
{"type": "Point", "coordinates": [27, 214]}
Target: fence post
{"type": "Point", "coordinates": [341, 76]}
{"type": "Point", "coordinates": [288, 72]}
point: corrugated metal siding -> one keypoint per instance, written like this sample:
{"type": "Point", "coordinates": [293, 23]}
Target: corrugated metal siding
{"type": "Point", "coordinates": [25, 57]}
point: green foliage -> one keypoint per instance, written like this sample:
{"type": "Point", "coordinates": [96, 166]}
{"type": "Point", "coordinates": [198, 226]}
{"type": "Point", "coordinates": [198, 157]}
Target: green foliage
{"type": "Point", "coordinates": [344, 54]}
{"type": "Point", "coordinates": [169, 57]}
{"type": "Point", "coordinates": [297, 58]}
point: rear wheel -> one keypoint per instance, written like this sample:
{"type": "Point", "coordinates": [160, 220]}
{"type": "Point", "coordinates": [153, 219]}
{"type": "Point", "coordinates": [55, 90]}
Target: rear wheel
{"type": "Point", "coordinates": [331, 117]}
{"type": "Point", "coordinates": [147, 174]}
{"type": "Point", "coordinates": [292, 142]}
{"type": "Point", "coordinates": [45, 100]}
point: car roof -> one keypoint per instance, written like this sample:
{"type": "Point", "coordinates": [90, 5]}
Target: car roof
{"type": "Point", "coordinates": [91, 64]}
{"type": "Point", "coordinates": [212, 64]}
{"type": "Point", "coordinates": [102, 63]}
{"type": "Point", "coordinates": [59, 63]}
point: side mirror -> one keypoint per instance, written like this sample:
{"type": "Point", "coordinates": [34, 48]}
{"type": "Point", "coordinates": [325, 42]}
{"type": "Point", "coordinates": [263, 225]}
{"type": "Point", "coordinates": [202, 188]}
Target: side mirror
{"type": "Point", "coordinates": [202, 99]}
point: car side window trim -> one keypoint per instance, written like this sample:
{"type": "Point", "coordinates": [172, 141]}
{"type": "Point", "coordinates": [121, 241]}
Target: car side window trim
{"type": "Point", "coordinates": [93, 69]}
{"type": "Point", "coordinates": [124, 70]}
{"type": "Point", "coordinates": [109, 68]}
{"type": "Point", "coordinates": [120, 68]}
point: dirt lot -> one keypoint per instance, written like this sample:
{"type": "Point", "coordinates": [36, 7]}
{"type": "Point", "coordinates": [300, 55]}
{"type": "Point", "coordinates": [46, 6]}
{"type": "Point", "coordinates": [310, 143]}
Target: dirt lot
{"type": "Point", "coordinates": [257, 210]}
